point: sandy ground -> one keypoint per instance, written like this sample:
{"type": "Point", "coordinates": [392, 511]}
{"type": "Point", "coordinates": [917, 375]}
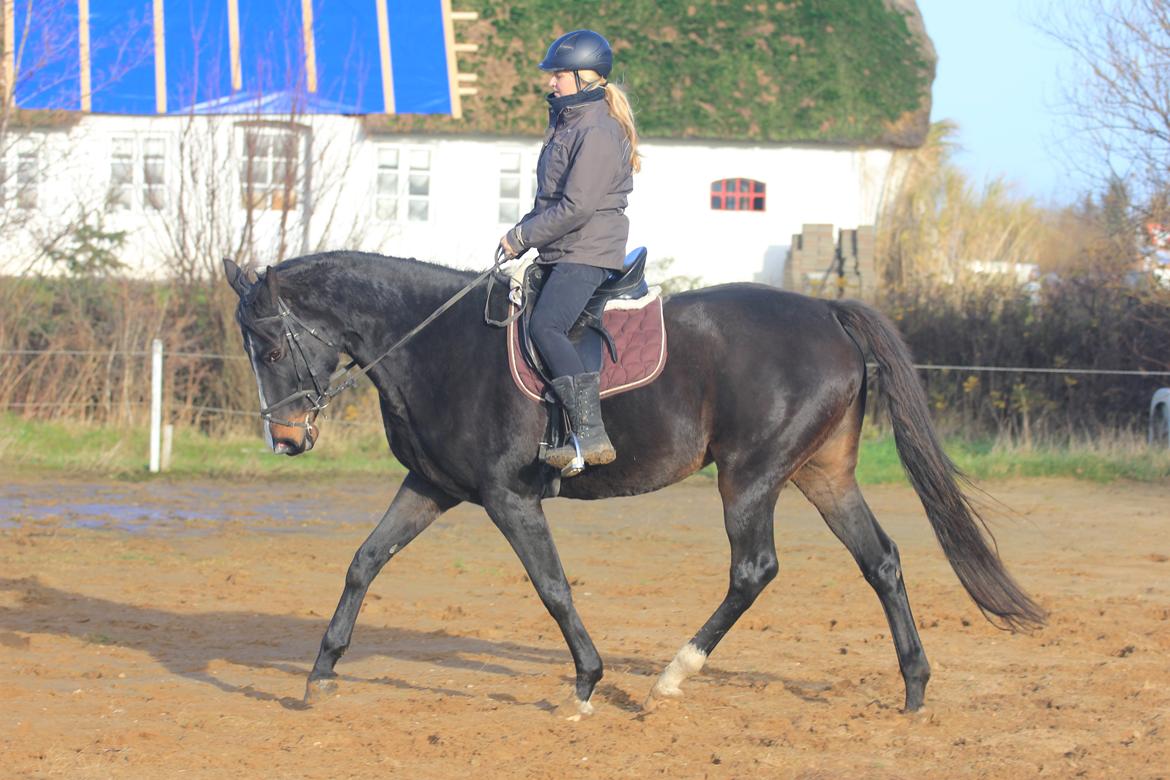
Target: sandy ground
{"type": "Point", "coordinates": [158, 630]}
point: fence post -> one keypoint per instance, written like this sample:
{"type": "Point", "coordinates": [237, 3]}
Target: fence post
{"type": "Point", "coordinates": [156, 371]}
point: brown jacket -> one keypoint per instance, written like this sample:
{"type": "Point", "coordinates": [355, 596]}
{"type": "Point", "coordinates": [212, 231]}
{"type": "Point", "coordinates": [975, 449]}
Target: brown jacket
{"type": "Point", "coordinates": [583, 178]}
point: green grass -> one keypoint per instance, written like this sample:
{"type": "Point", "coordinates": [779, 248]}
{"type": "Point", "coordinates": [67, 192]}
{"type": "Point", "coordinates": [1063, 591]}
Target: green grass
{"type": "Point", "coordinates": [350, 450]}
{"type": "Point", "coordinates": [1104, 461]}
{"type": "Point", "coordinates": [124, 453]}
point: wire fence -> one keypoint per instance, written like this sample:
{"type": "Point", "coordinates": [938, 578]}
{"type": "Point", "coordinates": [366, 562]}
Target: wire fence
{"type": "Point", "coordinates": [203, 409]}
{"type": "Point", "coordinates": [920, 366]}
{"type": "Point", "coordinates": [133, 395]}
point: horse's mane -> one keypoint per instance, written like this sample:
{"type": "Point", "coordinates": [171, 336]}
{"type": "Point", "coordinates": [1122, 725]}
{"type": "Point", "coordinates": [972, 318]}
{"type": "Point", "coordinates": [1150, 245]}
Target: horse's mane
{"type": "Point", "coordinates": [368, 262]}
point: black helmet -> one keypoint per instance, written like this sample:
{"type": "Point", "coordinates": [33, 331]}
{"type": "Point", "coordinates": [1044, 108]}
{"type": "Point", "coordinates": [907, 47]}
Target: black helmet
{"type": "Point", "coordinates": [579, 50]}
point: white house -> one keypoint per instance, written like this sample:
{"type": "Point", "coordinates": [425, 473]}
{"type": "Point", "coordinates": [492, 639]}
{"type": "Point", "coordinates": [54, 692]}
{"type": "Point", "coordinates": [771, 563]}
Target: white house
{"type": "Point", "coordinates": [723, 211]}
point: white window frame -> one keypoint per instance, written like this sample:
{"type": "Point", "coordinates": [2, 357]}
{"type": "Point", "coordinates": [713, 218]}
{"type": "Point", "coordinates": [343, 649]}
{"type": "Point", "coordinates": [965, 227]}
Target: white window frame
{"type": "Point", "coordinates": [138, 150]}
{"type": "Point", "coordinates": [120, 193]}
{"type": "Point", "coordinates": [25, 151]}
{"type": "Point", "coordinates": [269, 194]}
{"type": "Point", "coordinates": [404, 183]}
{"type": "Point", "coordinates": [526, 189]}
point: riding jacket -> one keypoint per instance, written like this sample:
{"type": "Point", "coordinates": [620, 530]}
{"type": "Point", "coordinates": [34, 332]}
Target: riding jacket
{"type": "Point", "coordinates": [583, 177]}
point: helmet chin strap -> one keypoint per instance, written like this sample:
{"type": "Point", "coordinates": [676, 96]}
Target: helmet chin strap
{"type": "Point", "coordinates": [588, 85]}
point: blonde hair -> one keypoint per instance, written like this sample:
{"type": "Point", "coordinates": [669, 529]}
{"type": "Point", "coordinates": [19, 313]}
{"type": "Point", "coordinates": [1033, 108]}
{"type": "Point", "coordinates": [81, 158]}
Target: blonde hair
{"type": "Point", "coordinates": [619, 109]}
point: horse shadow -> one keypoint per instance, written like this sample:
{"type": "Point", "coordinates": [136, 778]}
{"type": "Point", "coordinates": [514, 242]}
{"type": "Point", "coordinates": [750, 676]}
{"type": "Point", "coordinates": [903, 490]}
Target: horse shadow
{"type": "Point", "coordinates": [188, 643]}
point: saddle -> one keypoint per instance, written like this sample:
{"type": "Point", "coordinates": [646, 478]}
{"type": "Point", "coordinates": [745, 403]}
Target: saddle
{"type": "Point", "coordinates": [621, 332]}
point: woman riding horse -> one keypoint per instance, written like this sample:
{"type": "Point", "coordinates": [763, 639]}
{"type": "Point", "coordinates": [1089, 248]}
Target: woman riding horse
{"type": "Point", "coordinates": [578, 222]}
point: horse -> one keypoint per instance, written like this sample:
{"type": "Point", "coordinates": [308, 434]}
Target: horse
{"type": "Point", "coordinates": [768, 385]}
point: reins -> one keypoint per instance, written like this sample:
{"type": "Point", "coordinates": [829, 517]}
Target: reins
{"type": "Point", "coordinates": [347, 377]}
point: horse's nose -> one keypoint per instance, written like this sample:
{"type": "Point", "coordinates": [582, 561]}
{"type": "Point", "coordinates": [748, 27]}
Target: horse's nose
{"type": "Point", "coordinates": [293, 440]}
{"type": "Point", "coordinates": [286, 447]}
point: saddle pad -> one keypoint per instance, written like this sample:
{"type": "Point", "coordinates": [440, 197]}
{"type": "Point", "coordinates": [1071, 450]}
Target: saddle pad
{"type": "Point", "coordinates": [640, 336]}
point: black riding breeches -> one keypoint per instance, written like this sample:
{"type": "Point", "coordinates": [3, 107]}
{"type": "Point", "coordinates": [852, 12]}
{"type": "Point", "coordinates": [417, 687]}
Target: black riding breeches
{"type": "Point", "coordinates": [562, 299]}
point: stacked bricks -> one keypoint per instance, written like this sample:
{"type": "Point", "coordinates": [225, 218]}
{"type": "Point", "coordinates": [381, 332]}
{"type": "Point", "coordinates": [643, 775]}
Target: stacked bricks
{"type": "Point", "coordinates": [857, 255]}
{"type": "Point", "coordinates": [819, 266]}
{"type": "Point", "coordinates": [810, 258]}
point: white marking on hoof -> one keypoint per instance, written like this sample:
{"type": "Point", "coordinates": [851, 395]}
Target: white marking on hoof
{"type": "Point", "coordinates": [574, 709]}
{"type": "Point", "coordinates": [687, 662]}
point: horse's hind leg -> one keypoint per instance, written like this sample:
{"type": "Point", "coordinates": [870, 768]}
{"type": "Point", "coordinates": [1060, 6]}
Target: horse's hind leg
{"type": "Point", "coordinates": [414, 508]}
{"type": "Point", "coordinates": [748, 504]}
{"type": "Point", "coordinates": [828, 482]}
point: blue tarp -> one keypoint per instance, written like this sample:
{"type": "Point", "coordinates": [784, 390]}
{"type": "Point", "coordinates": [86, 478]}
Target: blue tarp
{"type": "Point", "coordinates": [273, 73]}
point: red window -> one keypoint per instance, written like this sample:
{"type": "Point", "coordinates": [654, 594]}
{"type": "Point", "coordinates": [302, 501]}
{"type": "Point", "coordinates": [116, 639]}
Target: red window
{"type": "Point", "coordinates": [737, 195]}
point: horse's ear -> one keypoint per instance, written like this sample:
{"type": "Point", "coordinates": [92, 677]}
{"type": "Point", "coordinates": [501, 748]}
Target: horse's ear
{"type": "Point", "coordinates": [235, 277]}
{"type": "Point", "coordinates": [273, 287]}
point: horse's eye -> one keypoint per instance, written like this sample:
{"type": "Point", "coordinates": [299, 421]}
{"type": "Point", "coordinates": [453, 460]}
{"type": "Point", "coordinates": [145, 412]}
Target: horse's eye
{"type": "Point", "coordinates": [274, 356]}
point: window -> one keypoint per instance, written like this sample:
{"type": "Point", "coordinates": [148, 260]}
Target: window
{"type": "Point", "coordinates": [122, 174]}
{"type": "Point", "coordinates": [420, 186]}
{"type": "Point", "coordinates": [268, 170]}
{"type": "Point", "coordinates": [387, 206]}
{"type": "Point", "coordinates": [509, 188]}
{"type": "Point", "coordinates": [154, 180]}
{"type": "Point", "coordinates": [517, 185]}
{"type": "Point", "coordinates": [138, 165]}
{"type": "Point", "coordinates": [393, 188]}
{"type": "Point", "coordinates": [737, 195]}
{"type": "Point", "coordinates": [27, 177]}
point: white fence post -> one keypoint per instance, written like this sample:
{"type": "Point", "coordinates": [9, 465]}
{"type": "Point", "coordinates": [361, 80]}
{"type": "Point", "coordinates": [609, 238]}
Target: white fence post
{"type": "Point", "coordinates": [156, 380]}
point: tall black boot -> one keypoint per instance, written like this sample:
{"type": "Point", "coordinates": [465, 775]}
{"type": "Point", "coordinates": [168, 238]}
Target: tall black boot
{"type": "Point", "coordinates": [588, 425]}
{"type": "Point", "coordinates": [565, 390]}
{"type": "Point", "coordinates": [581, 398]}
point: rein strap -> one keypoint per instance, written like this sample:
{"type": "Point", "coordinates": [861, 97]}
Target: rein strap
{"type": "Point", "coordinates": [347, 377]}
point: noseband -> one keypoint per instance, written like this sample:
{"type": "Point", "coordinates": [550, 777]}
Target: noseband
{"type": "Point", "coordinates": [347, 377]}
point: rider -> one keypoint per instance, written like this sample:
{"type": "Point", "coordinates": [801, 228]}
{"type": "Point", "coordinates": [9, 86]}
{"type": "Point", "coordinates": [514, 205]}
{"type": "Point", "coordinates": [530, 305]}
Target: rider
{"type": "Point", "coordinates": [578, 221]}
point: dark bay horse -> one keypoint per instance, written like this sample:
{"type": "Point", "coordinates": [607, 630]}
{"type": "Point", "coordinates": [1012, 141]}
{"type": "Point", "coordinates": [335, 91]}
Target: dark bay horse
{"type": "Point", "coordinates": [768, 385]}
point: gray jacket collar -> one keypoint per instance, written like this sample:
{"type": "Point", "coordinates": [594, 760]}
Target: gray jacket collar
{"type": "Point", "coordinates": [569, 103]}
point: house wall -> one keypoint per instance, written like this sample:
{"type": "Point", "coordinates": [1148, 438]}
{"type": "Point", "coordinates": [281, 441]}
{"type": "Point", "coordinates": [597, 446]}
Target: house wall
{"type": "Point", "coordinates": [338, 201]}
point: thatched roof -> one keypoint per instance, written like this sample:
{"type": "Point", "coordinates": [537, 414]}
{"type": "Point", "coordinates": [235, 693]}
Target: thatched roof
{"type": "Point", "coordinates": [855, 72]}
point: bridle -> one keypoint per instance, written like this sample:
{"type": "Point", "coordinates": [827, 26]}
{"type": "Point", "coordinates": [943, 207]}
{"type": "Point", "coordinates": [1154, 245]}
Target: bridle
{"type": "Point", "coordinates": [319, 396]}
{"type": "Point", "coordinates": [344, 378]}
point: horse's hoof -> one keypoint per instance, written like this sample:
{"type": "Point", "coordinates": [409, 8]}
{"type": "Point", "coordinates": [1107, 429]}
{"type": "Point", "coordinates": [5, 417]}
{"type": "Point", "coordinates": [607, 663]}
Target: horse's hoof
{"type": "Point", "coordinates": [660, 695]}
{"type": "Point", "coordinates": [317, 691]}
{"type": "Point", "coordinates": [574, 709]}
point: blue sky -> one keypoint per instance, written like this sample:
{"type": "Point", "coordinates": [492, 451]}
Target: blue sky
{"type": "Point", "coordinates": [999, 78]}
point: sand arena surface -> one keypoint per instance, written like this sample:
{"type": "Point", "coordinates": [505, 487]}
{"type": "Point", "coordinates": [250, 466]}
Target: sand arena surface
{"type": "Point", "coordinates": [159, 630]}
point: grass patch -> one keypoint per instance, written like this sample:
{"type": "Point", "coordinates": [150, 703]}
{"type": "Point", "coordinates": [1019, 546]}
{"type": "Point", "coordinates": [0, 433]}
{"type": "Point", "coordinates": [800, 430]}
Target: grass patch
{"type": "Point", "coordinates": [123, 453]}
{"type": "Point", "coordinates": [1096, 461]}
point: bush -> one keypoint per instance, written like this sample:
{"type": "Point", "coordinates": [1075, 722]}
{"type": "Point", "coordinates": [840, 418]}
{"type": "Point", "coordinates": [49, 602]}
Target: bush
{"type": "Point", "coordinates": [1097, 322]}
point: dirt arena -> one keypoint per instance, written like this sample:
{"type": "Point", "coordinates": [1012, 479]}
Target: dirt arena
{"type": "Point", "coordinates": [159, 630]}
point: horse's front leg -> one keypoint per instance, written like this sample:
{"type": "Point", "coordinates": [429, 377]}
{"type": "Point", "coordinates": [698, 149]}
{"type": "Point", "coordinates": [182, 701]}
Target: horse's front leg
{"type": "Point", "coordinates": [414, 508]}
{"type": "Point", "coordinates": [521, 519]}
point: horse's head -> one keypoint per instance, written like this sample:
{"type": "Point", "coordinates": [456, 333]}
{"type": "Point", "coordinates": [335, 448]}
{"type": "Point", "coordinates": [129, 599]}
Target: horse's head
{"type": "Point", "coordinates": [291, 358]}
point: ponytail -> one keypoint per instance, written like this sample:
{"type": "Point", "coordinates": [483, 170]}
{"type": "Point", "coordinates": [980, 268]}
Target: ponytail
{"type": "Point", "coordinates": [619, 109]}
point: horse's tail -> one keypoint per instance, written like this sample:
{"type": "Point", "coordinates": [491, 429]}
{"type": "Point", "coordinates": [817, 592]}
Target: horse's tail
{"type": "Point", "coordinates": [936, 479]}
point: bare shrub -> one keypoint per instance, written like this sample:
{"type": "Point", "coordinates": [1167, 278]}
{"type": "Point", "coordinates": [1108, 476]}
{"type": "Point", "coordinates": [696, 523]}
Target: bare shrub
{"type": "Point", "coordinates": [1089, 321]}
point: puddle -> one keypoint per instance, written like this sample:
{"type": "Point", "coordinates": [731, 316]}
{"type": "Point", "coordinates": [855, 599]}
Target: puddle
{"type": "Point", "coordinates": [188, 507]}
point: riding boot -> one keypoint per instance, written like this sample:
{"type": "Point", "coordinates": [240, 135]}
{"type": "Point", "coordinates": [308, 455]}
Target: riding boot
{"type": "Point", "coordinates": [565, 390]}
{"type": "Point", "coordinates": [581, 398]}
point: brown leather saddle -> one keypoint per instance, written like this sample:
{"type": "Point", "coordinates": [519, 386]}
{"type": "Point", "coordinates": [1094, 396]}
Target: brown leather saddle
{"type": "Point", "coordinates": [621, 333]}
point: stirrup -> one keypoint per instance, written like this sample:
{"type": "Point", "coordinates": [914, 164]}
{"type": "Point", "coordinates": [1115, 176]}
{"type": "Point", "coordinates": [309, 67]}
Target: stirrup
{"type": "Point", "coordinates": [577, 464]}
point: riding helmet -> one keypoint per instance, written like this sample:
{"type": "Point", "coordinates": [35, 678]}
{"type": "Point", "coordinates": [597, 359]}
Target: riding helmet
{"type": "Point", "coordinates": [579, 50]}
